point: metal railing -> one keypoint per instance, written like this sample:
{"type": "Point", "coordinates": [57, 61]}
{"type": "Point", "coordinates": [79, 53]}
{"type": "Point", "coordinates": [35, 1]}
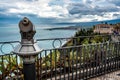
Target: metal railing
{"type": "Point", "coordinates": [7, 47]}
{"type": "Point", "coordinates": [79, 62]}
{"type": "Point", "coordinates": [72, 62]}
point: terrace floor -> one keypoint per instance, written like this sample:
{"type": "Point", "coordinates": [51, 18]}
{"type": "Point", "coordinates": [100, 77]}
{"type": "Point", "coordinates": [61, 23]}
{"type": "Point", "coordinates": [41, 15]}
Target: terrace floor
{"type": "Point", "coordinates": [110, 76]}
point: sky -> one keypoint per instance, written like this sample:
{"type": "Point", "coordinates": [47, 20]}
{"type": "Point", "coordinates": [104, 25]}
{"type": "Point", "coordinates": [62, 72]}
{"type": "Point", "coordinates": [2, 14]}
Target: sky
{"type": "Point", "coordinates": [59, 11]}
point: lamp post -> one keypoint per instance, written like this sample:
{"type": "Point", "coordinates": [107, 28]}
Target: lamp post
{"type": "Point", "coordinates": [27, 49]}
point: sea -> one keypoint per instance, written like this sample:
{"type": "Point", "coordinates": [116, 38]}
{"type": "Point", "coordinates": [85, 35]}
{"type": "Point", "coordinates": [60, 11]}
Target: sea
{"type": "Point", "coordinates": [10, 32]}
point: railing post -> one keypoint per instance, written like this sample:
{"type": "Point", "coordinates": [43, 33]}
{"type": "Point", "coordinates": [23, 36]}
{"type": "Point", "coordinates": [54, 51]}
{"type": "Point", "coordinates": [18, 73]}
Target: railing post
{"type": "Point", "coordinates": [27, 49]}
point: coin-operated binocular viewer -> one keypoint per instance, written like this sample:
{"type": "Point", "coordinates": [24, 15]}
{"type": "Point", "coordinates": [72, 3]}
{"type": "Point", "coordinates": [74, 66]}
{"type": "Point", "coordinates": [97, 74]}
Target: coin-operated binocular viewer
{"type": "Point", "coordinates": [28, 48]}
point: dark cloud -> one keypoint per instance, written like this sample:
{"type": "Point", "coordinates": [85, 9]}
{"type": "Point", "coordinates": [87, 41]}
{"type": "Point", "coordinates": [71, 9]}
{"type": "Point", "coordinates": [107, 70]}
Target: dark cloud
{"type": "Point", "coordinates": [56, 2]}
{"type": "Point", "coordinates": [82, 9]}
{"type": "Point", "coordinates": [89, 1]}
{"type": "Point", "coordinates": [116, 15]}
{"type": "Point", "coordinates": [2, 10]}
{"type": "Point", "coordinates": [116, 2]}
{"type": "Point", "coordinates": [12, 19]}
{"type": "Point", "coordinates": [78, 8]}
{"type": "Point", "coordinates": [102, 9]}
{"type": "Point", "coordinates": [7, 19]}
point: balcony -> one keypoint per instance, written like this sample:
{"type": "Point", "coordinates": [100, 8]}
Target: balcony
{"type": "Point", "coordinates": [65, 62]}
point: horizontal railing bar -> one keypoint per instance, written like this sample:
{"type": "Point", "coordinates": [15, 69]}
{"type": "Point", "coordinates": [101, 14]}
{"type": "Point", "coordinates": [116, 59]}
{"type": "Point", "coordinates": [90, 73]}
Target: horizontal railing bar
{"type": "Point", "coordinates": [70, 37]}
{"type": "Point", "coordinates": [7, 54]}
{"type": "Point", "coordinates": [86, 45]}
{"type": "Point", "coordinates": [9, 42]}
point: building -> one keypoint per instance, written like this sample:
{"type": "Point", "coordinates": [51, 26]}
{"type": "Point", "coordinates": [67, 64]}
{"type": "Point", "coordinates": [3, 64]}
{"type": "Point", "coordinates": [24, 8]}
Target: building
{"type": "Point", "coordinates": [103, 28]}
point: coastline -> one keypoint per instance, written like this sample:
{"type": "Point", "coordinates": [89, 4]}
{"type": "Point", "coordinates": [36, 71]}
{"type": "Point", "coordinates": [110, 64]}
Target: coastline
{"type": "Point", "coordinates": [64, 28]}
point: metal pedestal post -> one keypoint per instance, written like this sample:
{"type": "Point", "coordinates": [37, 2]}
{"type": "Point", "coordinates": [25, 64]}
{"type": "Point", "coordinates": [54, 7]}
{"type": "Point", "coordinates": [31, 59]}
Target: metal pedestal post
{"type": "Point", "coordinates": [28, 48]}
{"type": "Point", "coordinates": [29, 71]}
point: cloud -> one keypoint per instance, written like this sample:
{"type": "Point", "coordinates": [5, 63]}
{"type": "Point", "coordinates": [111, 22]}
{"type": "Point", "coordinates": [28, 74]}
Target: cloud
{"type": "Point", "coordinates": [94, 10]}
{"type": "Point", "coordinates": [41, 8]}
{"type": "Point", "coordinates": [115, 2]}
{"type": "Point", "coordinates": [62, 10]}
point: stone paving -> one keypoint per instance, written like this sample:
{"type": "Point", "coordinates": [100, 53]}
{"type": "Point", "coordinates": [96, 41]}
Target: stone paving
{"type": "Point", "coordinates": [110, 76]}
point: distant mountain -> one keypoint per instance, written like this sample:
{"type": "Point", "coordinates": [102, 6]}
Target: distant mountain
{"type": "Point", "coordinates": [90, 24]}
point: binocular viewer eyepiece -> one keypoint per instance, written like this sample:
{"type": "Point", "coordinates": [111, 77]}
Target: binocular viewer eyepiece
{"type": "Point", "coordinates": [26, 25]}
{"type": "Point", "coordinates": [27, 29]}
{"type": "Point", "coordinates": [25, 21]}
{"type": "Point", "coordinates": [28, 48]}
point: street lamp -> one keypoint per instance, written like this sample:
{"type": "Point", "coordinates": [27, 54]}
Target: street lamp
{"type": "Point", "coordinates": [27, 49]}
